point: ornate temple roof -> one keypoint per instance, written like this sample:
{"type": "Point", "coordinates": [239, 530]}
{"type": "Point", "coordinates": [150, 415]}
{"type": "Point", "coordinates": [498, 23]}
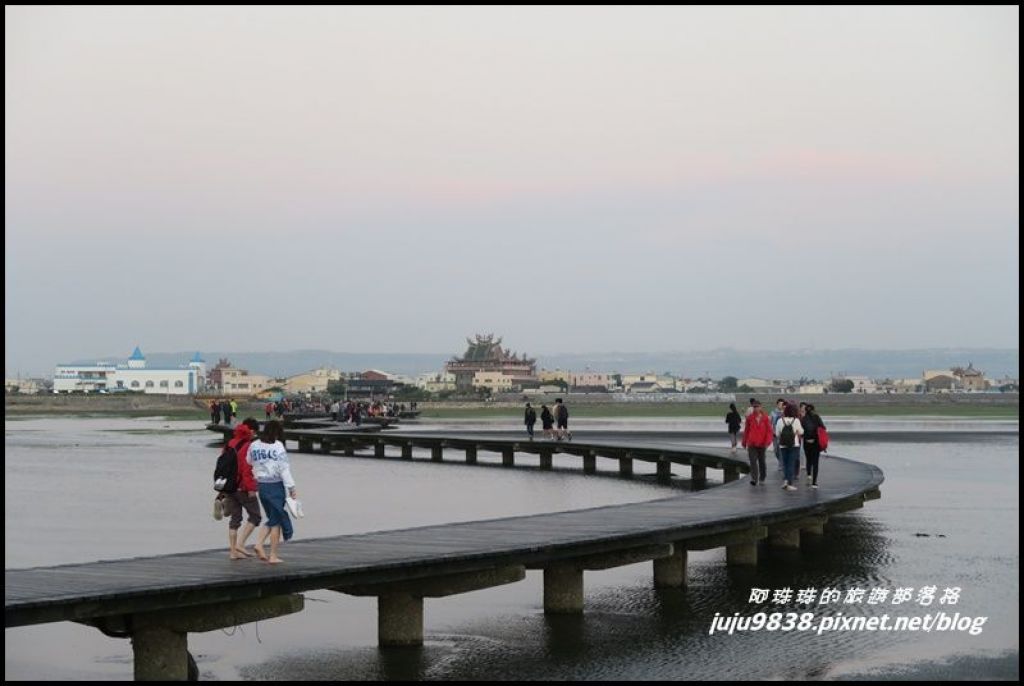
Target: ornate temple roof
{"type": "Point", "coordinates": [487, 349]}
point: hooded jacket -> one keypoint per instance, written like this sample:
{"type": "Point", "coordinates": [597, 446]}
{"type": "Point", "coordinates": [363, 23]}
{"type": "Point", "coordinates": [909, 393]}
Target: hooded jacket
{"type": "Point", "coordinates": [758, 431]}
{"type": "Point", "coordinates": [240, 442]}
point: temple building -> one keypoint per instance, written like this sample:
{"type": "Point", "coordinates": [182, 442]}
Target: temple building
{"type": "Point", "coordinates": [486, 355]}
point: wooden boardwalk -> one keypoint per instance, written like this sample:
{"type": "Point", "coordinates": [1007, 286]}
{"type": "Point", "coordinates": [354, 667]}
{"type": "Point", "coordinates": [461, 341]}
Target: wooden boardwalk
{"type": "Point", "coordinates": [431, 561]}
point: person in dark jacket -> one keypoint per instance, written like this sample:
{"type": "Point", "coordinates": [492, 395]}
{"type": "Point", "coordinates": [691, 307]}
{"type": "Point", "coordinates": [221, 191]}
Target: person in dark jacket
{"type": "Point", "coordinates": [733, 420]}
{"type": "Point", "coordinates": [245, 499]}
{"type": "Point", "coordinates": [530, 418]}
{"type": "Point", "coordinates": [812, 449]}
{"type": "Point", "coordinates": [547, 420]}
{"type": "Point", "coordinates": [214, 412]}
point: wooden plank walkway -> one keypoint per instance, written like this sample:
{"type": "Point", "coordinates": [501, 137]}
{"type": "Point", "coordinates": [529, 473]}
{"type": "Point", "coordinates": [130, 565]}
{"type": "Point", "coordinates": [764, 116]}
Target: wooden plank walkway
{"type": "Point", "coordinates": [96, 589]}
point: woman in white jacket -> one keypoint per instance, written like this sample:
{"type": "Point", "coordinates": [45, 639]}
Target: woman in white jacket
{"type": "Point", "coordinates": [269, 462]}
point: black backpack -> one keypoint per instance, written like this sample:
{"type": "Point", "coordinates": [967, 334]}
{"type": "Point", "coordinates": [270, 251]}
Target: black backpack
{"type": "Point", "coordinates": [225, 474]}
{"type": "Point", "coordinates": [787, 437]}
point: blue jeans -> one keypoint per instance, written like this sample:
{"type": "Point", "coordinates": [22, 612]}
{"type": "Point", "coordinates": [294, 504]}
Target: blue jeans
{"type": "Point", "coordinates": [272, 496]}
{"type": "Point", "coordinates": [790, 456]}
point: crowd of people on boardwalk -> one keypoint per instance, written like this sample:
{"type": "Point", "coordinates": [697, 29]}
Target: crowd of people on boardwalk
{"type": "Point", "coordinates": [254, 469]}
{"type": "Point", "coordinates": [789, 429]}
{"type": "Point", "coordinates": [553, 420]}
{"type": "Point", "coordinates": [226, 409]}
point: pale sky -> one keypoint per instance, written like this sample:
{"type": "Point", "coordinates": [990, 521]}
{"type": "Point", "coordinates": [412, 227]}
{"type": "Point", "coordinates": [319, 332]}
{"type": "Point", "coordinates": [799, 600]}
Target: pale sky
{"type": "Point", "coordinates": [573, 179]}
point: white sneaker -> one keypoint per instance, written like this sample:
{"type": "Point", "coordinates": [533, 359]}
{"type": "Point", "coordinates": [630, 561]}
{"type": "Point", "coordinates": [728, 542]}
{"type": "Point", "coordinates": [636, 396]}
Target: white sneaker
{"type": "Point", "coordinates": [814, 486]}
{"type": "Point", "coordinates": [785, 485]}
{"type": "Point", "coordinates": [791, 488]}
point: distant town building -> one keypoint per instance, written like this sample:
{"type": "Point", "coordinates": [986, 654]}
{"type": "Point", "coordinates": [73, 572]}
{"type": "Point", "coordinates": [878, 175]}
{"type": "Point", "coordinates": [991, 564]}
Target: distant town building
{"type": "Point", "coordinates": [314, 381]}
{"type": "Point", "coordinates": [133, 375]}
{"type": "Point", "coordinates": [24, 386]}
{"type": "Point", "coordinates": [588, 380]}
{"type": "Point", "coordinates": [228, 380]}
{"type": "Point", "coordinates": [496, 382]}
{"type": "Point", "coordinates": [485, 354]}
{"type": "Point", "coordinates": [436, 383]}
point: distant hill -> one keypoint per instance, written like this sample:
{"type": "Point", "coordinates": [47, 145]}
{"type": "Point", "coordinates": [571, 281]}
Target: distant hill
{"type": "Point", "coordinates": [716, 363]}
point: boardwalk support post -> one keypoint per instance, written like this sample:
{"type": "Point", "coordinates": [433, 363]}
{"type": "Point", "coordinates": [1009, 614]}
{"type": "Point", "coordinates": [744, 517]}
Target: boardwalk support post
{"type": "Point", "coordinates": [732, 473]}
{"type": "Point", "coordinates": [407, 451]}
{"type": "Point", "coordinates": [546, 461]}
{"type": "Point", "coordinates": [626, 466]}
{"type": "Point", "coordinates": [589, 462]}
{"type": "Point", "coordinates": [670, 572]}
{"type": "Point", "coordinates": [470, 454]}
{"type": "Point", "coordinates": [508, 457]}
{"type": "Point", "coordinates": [437, 453]}
{"type": "Point", "coordinates": [160, 638]}
{"type": "Point", "coordinates": [305, 445]}
{"type": "Point", "coordinates": [740, 546]}
{"type": "Point", "coordinates": [698, 473]}
{"type": "Point", "coordinates": [400, 603]}
{"type": "Point", "coordinates": [664, 470]}
{"type": "Point", "coordinates": [563, 581]}
{"type": "Point", "coordinates": [378, 449]}
{"type": "Point", "coordinates": [563, 590]}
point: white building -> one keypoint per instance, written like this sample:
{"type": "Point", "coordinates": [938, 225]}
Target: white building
{"type": "Point", "coordinates": [104, 377]}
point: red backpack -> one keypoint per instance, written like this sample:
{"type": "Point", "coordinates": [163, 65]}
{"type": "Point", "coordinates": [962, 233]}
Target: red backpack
{"type": "Point", "coordinates": [823, 438]}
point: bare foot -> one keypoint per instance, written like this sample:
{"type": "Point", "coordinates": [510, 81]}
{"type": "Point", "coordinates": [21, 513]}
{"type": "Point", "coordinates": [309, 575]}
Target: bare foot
{"type": "Point", "coordinates": [275, 560]}
{"type": "Point", "coordinates": [235, 555]}
{"type": "Point", "coordinates": [243, 551]}
{"type": "Point", "coordinates": [258, 549]}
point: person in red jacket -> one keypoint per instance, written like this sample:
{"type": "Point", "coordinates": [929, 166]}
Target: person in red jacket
{"type": "Point", "coordinates": [757, 437]}
{"type": "Point", "coordinates": [246, 497]}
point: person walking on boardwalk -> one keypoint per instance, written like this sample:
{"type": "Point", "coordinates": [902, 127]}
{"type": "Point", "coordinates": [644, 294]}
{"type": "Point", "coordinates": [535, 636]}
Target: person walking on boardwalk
{"type": "Point", "coordinates": [269, 462]}
{"type": "Point", "coordinates": [733, 422]}
{"type": "Point", "coordinates": [562, 420]}
{"type": "Point", "coordinates": [234, 409]}
{"type": "Point", "coordinates": [245, 497]}
{"type": "Point", "coordinates": [757, 436]}
{"type": "Point", "coordinates": [789, 430]}
{"type": "Point", "coordinates": [530, 418]}
{"type": "Point", "coordinates": [776, 414]}
{"type": "Point", "coordinates": [214, 412]}
{"type": "Point", "coordinates": [547, 421]}
{"type": "Point", "coordinates": [225, 411]}
{"type": "Point", "coordinates": [812, 445]}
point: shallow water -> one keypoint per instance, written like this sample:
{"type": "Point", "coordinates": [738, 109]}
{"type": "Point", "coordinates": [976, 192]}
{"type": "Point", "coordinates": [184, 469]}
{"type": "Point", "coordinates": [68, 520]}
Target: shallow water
{"type": "Point", "coordinates": [86, 489]}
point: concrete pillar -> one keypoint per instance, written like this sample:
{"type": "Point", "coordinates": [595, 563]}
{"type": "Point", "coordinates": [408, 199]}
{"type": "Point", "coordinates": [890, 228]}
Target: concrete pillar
{"type": "Point", "coordinates": [731, 473]}
{"type": "Point", "coordinates": [160, 654]}
{"type": "Point", "coordinates": [664, 471]}
{"type": "Point", "coordinates": [325, 445]}
{"type": "Point", "coordinates": [508, 457]}
{"type": "Point", "coordinates": [546, 461]}
{"type": "Point", "coordinates": [698, 472]}
{"type": "Point", "coordinates": [399, 620]}
{"type": "Point", "coordinates": [378, 449]}
{"type": "Point", "coordinates": [305, 445]}
{"type": "Point", "coordinates": [784, 538]}
{"type": "Point", "coordinates": [563, 590]}
{"type": "Point", "coordinates": [741, 554]}
{"type": "Point", "coordinates": [437, 453]}
{"type": "Point", "coordinates": [625, 466]}
{"type": "Point", "coordinates": [407, 451]}
{"type": "Point", "coordinates": [670, 572]}
{"type": "Point", "coordinates": [470, 454]}
{"type": "Point", "coordinates": [817, 529]}
{"type": "Point", "coordinates": [589, 462]}
{"type": "Point", "coordinates": [350, 449]}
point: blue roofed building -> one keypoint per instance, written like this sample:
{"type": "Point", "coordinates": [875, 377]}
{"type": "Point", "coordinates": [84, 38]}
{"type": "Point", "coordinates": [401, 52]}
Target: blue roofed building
{"type": "Point", "coordinates": [134, 375]}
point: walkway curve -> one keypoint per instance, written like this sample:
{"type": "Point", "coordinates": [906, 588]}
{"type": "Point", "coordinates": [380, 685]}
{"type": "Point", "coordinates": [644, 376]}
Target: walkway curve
{"type": "Point", "coordinates": [78, 592]}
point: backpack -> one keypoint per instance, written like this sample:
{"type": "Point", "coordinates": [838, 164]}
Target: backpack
{"type": "Point", "coordinates": [225, 474]}
{"type": "Point", "coordinates": [787, 437]}
{"type": "Point", "coordinates": [563, 413]}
